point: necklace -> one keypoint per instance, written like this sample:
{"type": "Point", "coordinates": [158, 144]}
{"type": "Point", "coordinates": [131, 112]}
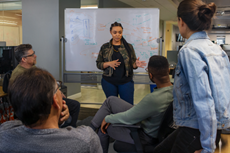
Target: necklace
{"type": "Point", "coordinates": [115, 50]}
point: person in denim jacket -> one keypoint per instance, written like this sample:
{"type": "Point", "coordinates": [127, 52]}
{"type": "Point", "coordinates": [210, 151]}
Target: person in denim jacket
{"type": "Point", "coordinates": [117, 59]}
{"type": "Point", "coordinates": [201, 85]}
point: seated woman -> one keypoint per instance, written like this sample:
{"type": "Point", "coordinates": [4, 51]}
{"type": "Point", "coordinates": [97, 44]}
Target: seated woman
{"type": "Point", "coordinates": [149, 111]}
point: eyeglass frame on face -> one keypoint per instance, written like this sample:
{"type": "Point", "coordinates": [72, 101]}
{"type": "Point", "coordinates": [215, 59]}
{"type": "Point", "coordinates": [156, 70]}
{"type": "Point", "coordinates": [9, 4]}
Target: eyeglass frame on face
{"type": "Point", "coordinates": [30, 55]}
{"type": "Point", "coordinates": [146, 69]}
{"type": "Point", "coordinates": [56, 88]}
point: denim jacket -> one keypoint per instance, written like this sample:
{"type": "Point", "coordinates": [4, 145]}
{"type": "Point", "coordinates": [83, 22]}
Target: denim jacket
{"type": "Point", "coordinates": [202, 89]}
{"type": "Point", "coordinates": [105, 55]}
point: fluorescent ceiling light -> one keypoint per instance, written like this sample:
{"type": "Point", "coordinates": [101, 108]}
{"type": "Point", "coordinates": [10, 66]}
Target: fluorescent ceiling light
{"type": "Point", "coordinates": [18, 14]}
{"type": "Point", "coordinates": [8, 22]}
{"type": "Point", "coordinates": [89, 7]}
{"type": "Point", "coordinates": [8, 17]}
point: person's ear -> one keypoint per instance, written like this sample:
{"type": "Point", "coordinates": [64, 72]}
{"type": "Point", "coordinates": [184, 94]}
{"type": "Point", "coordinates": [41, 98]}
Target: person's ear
{"type": "Point", "coordinates": [23, 60]}
{"type": "Point", "coordinates": [56, 102]}
{"type": "Point", "coordinates": [150, 76]}
{"type": "Point", "coordinates": [181, 23]}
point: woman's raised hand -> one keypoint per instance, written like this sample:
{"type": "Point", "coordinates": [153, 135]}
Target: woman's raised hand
{"type": "Point", "coordinates": [114, 64]}
{"type": "Point", "coordinates": [140, 63]}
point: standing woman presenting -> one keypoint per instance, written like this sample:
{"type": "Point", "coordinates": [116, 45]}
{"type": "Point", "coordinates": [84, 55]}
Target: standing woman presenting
{"type": "Point", "coordinates": [201, 85]}
{"type": "Point", "coordinates": [117, 59]}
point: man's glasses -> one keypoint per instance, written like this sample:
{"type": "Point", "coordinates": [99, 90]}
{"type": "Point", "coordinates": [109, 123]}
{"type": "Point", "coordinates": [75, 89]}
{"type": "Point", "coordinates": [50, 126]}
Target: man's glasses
{"type": "Point", "coordinates": [59, 83]}
{"type": "Point", "coordinates": [56, 89]}
{"type": "Point", "coordinates": [30, 55]}
{"type": "Point", "coordinates": [146, 69]}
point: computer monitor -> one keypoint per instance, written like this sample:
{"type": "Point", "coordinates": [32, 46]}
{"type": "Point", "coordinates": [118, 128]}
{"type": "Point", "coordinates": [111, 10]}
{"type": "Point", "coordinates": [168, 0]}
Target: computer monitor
{"type": "Point", "coordinates": [7, 59]}
{"type": "Point", "coordinates": [172, 56]}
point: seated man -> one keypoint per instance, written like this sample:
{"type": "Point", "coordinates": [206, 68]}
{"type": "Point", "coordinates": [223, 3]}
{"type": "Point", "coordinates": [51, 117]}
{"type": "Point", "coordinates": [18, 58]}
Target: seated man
{"type": "Point", "coordinates": [149, 111]}
{"type": "Point", "coordinates": [37, 102]}
{"type": "Point", "coordinates": [26, 58]}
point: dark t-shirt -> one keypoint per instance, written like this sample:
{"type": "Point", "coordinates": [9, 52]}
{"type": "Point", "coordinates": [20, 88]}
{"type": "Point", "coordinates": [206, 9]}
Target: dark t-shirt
{"type": "Point", "coordinates": [118, 76]}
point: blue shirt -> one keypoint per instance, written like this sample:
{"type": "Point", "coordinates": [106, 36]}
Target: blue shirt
{"type": "Point", "coordinates": [201, 89]}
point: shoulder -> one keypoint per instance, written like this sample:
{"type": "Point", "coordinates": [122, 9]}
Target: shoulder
{"type": "Point", "coordinates": [159, 95]}
{"type": "Point", "coordinates": [10, 125]}
{"type": "Point", "coordinates": [105, 45]}
{"type": "Point", "coordinates": [201, 47]}
{"type": "Point", "coordinates": [130, 45]}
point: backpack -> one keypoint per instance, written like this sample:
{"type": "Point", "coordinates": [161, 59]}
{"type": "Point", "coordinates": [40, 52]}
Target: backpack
{"type": "Point", "coordinates": [6, 81]}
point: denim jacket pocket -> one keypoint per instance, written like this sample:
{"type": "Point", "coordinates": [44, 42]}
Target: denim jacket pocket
{"type": "Point", "coordinates": [189, 111]}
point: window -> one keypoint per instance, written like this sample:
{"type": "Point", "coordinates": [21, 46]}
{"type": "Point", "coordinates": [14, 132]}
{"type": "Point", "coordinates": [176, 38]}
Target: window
{"type": "Point", "coordinates": [11, 23]}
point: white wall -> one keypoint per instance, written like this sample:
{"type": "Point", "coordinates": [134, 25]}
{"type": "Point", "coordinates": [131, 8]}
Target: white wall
{"type": "Point", "coordinates": [40, 28]}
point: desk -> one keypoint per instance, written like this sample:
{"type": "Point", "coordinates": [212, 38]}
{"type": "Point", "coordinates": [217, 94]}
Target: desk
{"type": "Point", "coordinates": [2, 93]}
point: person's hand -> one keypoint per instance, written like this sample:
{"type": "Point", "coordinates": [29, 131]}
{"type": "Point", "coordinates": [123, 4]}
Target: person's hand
{"type": "Point", "coordinates": [104, 126]}
{"type": "Point", "coordinates": [114, 64]}
{"type": "Point", "coordinates": [198, 151]}
{"type": "Point", "coordinates": [65, 113]}
{"type": "Point", "coordinates": [140, 63]}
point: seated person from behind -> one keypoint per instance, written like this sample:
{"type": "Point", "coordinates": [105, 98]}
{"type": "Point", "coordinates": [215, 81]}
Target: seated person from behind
{"type": "Point", "coordinates": [149, 111]}
{"type": "Point", "coordinates": [37, 102]}
{"type": "Point", "coordinates": [26, 58]}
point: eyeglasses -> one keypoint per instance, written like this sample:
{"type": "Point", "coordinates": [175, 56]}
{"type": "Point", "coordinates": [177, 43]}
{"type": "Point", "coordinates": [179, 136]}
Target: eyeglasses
{"type": "Point", "coordinates": [146, 69]}
{"type": "Point", "coordinates": [58, 86]}
{"type": "Point", "coordinates": [56, 89]}
{"type": "Point", "coordinates": [30, 55]}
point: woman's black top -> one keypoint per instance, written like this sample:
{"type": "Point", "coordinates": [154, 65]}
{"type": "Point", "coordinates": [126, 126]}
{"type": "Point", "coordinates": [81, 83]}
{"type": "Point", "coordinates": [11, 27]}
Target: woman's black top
{"type": "Point", "coordinates": [118, 76]}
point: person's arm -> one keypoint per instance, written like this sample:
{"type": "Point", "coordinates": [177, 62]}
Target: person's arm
{"type": "Point", "coordinates": [100, 60]}
{"type": "Point", "coordinates": [135, 114]}
{"type": "Point", "coordinates": [195, 70]}
{"type": "Point", "coordinates": [135, 61]}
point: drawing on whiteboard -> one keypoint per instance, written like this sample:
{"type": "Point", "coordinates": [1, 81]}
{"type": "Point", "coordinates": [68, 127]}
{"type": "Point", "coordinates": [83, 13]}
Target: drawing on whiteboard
{"type": "Point", "coordinates": [87, 31]}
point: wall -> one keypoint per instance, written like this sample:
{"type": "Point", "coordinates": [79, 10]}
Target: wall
{"type": "Point", "coordinates": [168, 37]}
{"type": "Point", "coordinates": [40, 26]}
{"type": "Point", "coordinates": [72, 88]}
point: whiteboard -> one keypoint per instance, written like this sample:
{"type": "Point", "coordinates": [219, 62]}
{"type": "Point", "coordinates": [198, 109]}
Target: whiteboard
{"type": "Point", "coordinates": [86, 30]}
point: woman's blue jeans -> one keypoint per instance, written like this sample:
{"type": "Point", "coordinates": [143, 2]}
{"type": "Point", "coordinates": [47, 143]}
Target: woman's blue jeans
{"type": "Point", "coordinates": [125, 91]}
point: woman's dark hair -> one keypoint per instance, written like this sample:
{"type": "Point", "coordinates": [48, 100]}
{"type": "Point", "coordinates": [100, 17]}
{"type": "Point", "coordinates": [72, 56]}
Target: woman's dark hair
{"type": "Point", "coordinates": [21, 51]}
{"type": "Point", "coordinates": [159, 67]}
{"type": "Point", "coordinates": [196, 14]}
{"type": "Point", "coordinates": [115, 24]}
{"type": "Point", "coordinates": [31, 95]}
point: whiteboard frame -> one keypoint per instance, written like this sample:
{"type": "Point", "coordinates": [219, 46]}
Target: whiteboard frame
{"type": "Point", "coordinates": [99, 72]}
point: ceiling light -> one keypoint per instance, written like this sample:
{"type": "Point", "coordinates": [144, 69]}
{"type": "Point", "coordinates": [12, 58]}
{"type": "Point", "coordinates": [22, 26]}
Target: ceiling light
{"type": "Point", "coordinates": [89, 7]}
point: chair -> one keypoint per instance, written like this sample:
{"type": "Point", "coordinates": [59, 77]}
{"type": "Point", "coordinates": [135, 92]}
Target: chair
{"type": "Point", "coordinates": [166, 127]}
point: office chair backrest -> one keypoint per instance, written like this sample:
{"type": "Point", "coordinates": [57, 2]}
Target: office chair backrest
{"type": "Point", "coordinates": [6, 81]}
{"type": "Point", "coordinates": [167, 125]}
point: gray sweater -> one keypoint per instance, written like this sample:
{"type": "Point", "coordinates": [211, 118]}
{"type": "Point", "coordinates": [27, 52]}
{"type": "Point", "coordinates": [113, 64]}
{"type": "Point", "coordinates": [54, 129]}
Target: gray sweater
{"type": "Point", "coordinates": [15, 137]}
